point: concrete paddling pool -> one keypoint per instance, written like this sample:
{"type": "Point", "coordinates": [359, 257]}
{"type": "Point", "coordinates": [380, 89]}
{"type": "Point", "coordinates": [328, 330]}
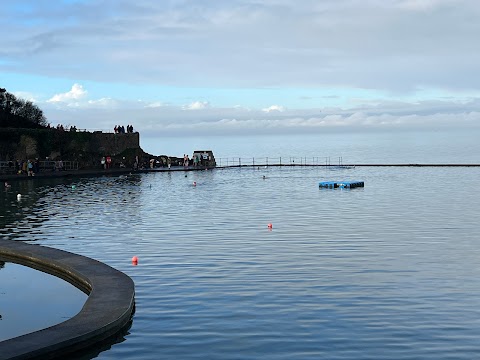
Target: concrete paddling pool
{"type": "Point", "coordinates": [107, 311]}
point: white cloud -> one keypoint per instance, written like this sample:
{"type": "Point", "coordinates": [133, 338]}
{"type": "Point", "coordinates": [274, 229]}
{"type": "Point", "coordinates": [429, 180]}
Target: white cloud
{"type": "Point", "coordinates": [156, 104]}
{"type": "Point", "coordinates": [70, 97]}
{"type": "Point", "coordinates": [310, 43]}
{"type": "Point", "coordinates": [196, 105]}
{"type": "Point", "coordinates": [174, 120]}
{"type": "Point", "coordinates": [274, 108]}
{"type": "Point", "coordinates": [422, 5]}
{"type": "Point", "coordinates": [103, 102]}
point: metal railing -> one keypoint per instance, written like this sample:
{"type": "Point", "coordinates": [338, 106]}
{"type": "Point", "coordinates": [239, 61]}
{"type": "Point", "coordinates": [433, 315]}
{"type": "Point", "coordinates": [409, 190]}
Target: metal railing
{"type": "Point", "coordinates": [9, 167]}
{"type": "Point", "coordinates": [277, 161]}
{"type": "Point", "coordinates": [53, 165]}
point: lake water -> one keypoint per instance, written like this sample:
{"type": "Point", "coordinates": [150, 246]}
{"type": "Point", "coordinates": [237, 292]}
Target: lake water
{"type": "Point", "coordinates": [388, 271]}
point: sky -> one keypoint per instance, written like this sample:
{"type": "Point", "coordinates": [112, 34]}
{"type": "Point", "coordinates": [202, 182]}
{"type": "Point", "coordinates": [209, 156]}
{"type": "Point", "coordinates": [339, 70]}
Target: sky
{"type": "Point", "coordinates": [218, 67]}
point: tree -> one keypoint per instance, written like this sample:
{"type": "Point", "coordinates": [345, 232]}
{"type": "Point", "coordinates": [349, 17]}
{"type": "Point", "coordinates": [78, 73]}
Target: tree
{"type": "Point", "coordinates": [16, 112]}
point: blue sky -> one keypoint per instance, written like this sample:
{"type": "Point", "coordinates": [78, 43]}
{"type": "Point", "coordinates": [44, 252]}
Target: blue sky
{"type": "Point", "coordinates": [218, 67]}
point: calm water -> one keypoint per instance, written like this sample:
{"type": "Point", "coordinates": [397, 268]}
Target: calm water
{"type": "Point", "coordinates": [389, 271]}
{"type": "Point", "coordinates": [31, 300]}
{"type": "Point", "coordinates": [453, 146]}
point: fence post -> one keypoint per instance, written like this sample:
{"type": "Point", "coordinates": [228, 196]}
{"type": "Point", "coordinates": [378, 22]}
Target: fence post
{"type": "Point", "coordinates": [239, 162]}
{"type": "Point", "coordinates": [253, 161]}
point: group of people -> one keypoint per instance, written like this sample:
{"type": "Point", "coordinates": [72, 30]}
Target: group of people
{"type": "Point", "coordinates": [32, 167]}
{"type": "Point", "coordinates": [197, 160]}
{"type": "Point", "coordinates": [120, 129]}
{"type": "Point", "coordinates": [26, 167]}
{"type": "Point", "coordinates": [59, 127]}
{"type": "Point", "coordinates": [73, 128]}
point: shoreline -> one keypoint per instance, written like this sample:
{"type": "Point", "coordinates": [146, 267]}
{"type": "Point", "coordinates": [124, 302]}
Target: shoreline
{"type": "Point", "coordinates": [93, 172]}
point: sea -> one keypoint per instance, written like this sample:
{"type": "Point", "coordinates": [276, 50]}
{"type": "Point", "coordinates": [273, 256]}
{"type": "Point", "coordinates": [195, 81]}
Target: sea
{"type": "Point", "coordinates": [387, 271]}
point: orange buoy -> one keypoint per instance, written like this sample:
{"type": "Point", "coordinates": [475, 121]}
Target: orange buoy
{"type": "Point", "coordinates": [270, 225]}
{"type": "Point", "coordinates": [134, 260]}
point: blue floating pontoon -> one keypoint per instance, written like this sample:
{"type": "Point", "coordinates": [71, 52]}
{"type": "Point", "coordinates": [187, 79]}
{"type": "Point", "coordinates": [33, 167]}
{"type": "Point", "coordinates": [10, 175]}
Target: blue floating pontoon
{"type": "Point", "coordinates": [341, 184]}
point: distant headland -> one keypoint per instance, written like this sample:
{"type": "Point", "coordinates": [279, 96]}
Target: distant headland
{"type": "Point", "coordinates": [28, 143]}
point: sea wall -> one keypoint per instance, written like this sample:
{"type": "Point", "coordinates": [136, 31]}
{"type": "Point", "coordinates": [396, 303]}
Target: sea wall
{"type": "Point", "coordinates": [53, 144]}
{"type": "Point", "coordinates": [115, 144]}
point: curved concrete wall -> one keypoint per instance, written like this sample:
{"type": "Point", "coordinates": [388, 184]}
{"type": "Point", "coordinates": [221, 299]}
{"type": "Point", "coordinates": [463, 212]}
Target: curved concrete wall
{"type": "Point", "coordinates": [108, 309]}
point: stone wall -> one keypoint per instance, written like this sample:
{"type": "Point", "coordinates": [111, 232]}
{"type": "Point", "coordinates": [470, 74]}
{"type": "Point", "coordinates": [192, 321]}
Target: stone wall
{"type": "Point", "coordinates": [114, 144]}
{"type": "Point", "coordinates": [52, 144]}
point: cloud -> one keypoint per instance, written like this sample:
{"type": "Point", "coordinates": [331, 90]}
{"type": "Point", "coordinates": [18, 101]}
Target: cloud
{"type": "Point", "coordinates": [103, 103]}
{"type": "Point", "coordinates": [174, 120]}
{"type": "Point", "coordinates": [196, 105]}
{"type": "Point", "coordinates": [332, 123]}
{"type": "Point", "coordinates": [154, 104]}
{"type": "Point", "coordinates": [366, 54]}
{"type": "Point", "coordinates": [422, 5]}
{"type": "Point", "coordinates": [70, 97]}
{"type": "Point", "coordinates": [274, 108]}
{"type": "Point", "coordinates": [359, 44]}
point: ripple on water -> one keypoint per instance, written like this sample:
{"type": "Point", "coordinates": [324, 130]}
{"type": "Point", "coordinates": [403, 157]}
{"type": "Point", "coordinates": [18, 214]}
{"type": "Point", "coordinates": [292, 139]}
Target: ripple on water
{"type": "Point", "coordinates": [385, 271]}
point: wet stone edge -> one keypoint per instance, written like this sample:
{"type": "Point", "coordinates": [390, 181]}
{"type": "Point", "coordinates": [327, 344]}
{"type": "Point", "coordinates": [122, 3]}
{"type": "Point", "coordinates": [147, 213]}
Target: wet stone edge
{"type": "Point", "coordinates": [107, 311]}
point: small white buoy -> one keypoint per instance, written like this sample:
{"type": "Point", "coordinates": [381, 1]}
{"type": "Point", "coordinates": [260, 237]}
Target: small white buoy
{"type": "Point", "coordinates": [19, 196]}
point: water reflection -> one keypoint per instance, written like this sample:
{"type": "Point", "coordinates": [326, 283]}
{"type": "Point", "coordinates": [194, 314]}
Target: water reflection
{"type": "Point", "coordinates": [367, 274]}
{"type": "Point", "coordinates": [32, 300]}
{"type": "Point", "coordinates": [94, 351]}
{"type": "Point", "coordinates": [23, 218]}
{"type": "Point", "coordinates": [2, 265]}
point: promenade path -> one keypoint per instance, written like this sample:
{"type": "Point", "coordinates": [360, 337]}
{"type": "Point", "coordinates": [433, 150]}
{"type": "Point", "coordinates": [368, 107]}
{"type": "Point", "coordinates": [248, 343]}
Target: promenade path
{"type": "Point", "coordinates": [92, 172]}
